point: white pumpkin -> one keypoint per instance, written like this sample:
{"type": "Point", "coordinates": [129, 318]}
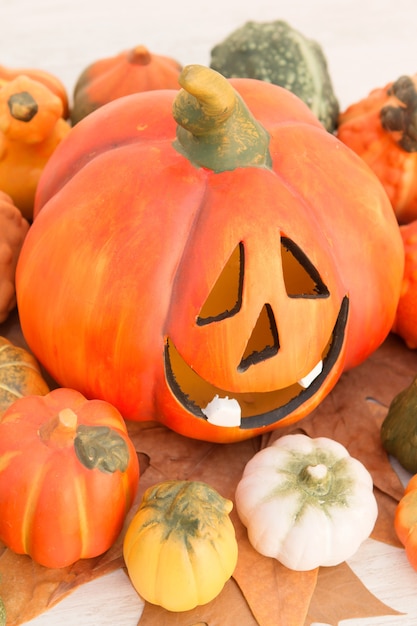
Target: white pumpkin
{"type": "Point", "coordinates": [306, 502]}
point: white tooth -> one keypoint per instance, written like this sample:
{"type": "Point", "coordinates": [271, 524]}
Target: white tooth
{"type": "Point", "coordinates": [308, 379]}
{"type": "Point", "coordinates": [223, 412]}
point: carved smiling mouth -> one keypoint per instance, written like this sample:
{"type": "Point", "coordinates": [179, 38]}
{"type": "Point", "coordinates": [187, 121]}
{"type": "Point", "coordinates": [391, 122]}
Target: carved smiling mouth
{"type": "Point", "coordinates": [257, 409]}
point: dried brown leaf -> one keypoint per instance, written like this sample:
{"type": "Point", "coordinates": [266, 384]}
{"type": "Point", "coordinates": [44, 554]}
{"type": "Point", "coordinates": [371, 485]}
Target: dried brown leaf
{"type": "Point", "coordinates": [340, 595]}
{"type": "Point", "coordinates": [228, 609]}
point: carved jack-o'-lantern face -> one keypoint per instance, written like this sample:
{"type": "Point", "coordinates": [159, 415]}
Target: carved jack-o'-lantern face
{"type": "Point", "coordinates": [260, 320]}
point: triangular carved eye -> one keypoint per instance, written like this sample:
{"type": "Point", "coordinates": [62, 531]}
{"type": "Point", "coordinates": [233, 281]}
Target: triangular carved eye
{"type": "Point", "coordinates": [263, 342]}
{"type": "Point", "coordinates": [301, 278]}
{"type": "Point", "coordinates": [225, 298]}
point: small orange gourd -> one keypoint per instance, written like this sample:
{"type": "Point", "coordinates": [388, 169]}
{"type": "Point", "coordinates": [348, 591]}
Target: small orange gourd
{"type": "Point", "coordinates": [381, 129]}
{"type": "Point", "coordinates": [130, 71]}
{"type": "Point", "coordinates": [49, 80]}
{"type": "Point", "coordinates": [13, 230]}
{"type": "Point", "coordinates": [68, 476]}
{"type": "Point", "coordinates": [31, 127]}
{"type": "Point", "coordinates": [405, 521]}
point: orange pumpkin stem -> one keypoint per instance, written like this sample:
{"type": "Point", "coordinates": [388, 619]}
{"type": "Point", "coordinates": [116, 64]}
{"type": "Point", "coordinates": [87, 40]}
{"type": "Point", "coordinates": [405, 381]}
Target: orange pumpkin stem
{"type": "Point", "coordinates": [61, 430]}
{"type": "Point", "coordinates": [215, 128]}
{"type": "Point", "coordinates": [139, 56]}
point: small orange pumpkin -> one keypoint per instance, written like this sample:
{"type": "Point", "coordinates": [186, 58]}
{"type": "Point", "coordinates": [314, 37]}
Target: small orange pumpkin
{"type": "Point", "coordinates": [405, 521]}
{"type": "Point", "coordinates": [20, 374]}
{"type": "Point", "coordinates": [129, 72]}
{"type": "Point", "coordinates": [13, 230]}
{"type": "Point", "coordinates": [31, 127]}
{"type": "Point", "coordinates": [49, 80]}
{"type": "Point", "coordinates": [381, 130]}
{"type": "Point", "coordinates": [68, 476]}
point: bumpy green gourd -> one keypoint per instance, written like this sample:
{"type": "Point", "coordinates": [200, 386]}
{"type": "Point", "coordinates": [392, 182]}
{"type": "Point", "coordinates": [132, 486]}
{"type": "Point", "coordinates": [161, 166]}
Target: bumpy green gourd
{"type": "Point", "coordinates": [277, 53]}
{"type": "Point", "coordinates": [399, 428]}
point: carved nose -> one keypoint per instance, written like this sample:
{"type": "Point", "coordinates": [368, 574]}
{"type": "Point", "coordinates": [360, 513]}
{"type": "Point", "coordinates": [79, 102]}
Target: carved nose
{"type": "Point", "coordinates": [263, 342]}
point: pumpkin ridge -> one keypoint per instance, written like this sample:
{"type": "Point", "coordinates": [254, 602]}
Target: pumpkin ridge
{"type": "Point", "coordinates": [31, 510]}
{"type": "Point", "coordinates": [80, 497]}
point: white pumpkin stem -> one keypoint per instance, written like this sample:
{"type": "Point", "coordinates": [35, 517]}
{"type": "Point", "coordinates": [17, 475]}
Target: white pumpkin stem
{"type": "Point", "coordinates": [61, 430]}
{"type": "Point", "coordinates": [317, 472]}
{"type": "Point", "coordinates": [316, 478]}
{"type": "Point", "coordinates": [67, 419]}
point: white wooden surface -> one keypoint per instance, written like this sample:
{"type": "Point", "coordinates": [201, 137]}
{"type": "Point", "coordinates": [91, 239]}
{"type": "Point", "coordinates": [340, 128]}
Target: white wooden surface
{"type": "Point", "coordinates": [367, 43]}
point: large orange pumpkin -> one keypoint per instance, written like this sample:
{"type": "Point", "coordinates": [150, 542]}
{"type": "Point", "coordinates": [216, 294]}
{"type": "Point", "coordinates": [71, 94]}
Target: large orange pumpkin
{"type": "Point", "coordinates": [228, 249]}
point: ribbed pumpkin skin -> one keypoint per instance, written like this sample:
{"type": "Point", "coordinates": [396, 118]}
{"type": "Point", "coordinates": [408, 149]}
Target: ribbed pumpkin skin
{"type": "Point", "coordinates": [180, 548]}
{"type": "Point", "coordinates": [155, 238]}
{"type": "Point", "coordinates": [53, 505]}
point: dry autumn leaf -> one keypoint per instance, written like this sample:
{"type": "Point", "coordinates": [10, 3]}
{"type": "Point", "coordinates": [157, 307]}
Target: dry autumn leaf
{"type": "Point", "coordinates": [340, 595]}
{"type": "Point", "coordinates": [228, 609]}
{"type": "Point", "coordinates": [351, 414]}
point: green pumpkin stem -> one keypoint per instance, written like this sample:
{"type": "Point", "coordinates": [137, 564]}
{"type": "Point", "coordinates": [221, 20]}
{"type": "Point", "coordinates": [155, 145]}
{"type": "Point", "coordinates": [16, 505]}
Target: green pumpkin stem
{"type": "Point", "coordinates": [215, 129]}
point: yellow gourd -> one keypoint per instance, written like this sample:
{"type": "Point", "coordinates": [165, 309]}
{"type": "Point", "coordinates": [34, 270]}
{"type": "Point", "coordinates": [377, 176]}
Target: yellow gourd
{"type": "Point", "coordinates": [180, 548]}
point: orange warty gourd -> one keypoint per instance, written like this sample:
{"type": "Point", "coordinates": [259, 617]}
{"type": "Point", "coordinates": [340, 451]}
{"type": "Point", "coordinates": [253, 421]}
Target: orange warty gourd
{"type": "Point", "coordinates": [31, 127]}
{"type": "Point", "coordinates": [13, 230]}
{"type": "Point", "coordinates": [381, 129]}
{"type": "Point", "coordinates": [214, 256]}
{"type": "Point", "coordinates": [130, 71]}
{"type": "Point", "coordinates": [49, 80]}
{"type": "Point", "coordinates": [68, 476]}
